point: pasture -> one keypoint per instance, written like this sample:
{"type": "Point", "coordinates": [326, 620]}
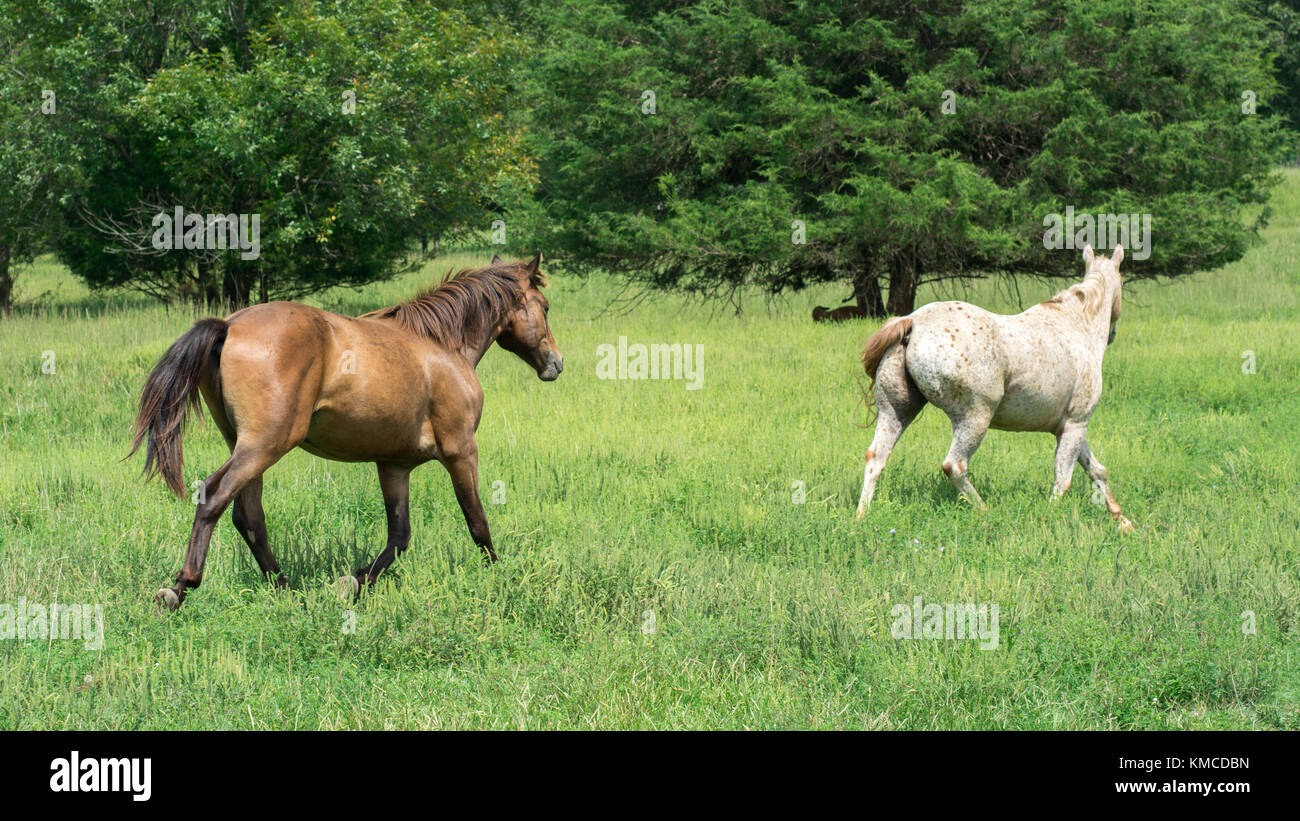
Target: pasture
{"type": "Point", "coordinates": [677, 558]}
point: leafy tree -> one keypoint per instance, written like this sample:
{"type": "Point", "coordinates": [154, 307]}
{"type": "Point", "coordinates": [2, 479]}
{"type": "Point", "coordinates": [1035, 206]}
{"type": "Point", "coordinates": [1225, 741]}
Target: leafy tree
{"type": "Point", "coordinates": [1282, 18]}
{"type": "Point", "coordinates": [349, 128]}
{"type": "Point", "coordinates": [20, 185]}
{"type": "Point", "coordinates": [27, 162]}
{"type": "Point", "coordinates": [693, 146]}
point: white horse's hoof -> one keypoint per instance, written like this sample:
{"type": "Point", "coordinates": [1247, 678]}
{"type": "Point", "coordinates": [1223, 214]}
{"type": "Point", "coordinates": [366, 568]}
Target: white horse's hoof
{"type": "Point", "coordinates": [167, 599]}
{"type": "Point", "coordinates": [349, 588]}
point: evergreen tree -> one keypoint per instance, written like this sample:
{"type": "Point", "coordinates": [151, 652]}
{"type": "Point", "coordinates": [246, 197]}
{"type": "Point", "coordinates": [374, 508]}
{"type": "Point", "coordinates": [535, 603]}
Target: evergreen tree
{"type": "Point", "coordinates": [705, 146]}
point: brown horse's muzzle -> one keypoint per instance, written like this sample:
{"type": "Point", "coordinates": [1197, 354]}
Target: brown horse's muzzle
{"type": "Point", "coordinates": [553, 368]}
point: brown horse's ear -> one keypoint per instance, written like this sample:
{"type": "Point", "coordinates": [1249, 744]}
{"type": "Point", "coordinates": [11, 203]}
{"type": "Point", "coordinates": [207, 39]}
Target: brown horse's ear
{"type": "Point", "coordinates": [1087, 255]}
{"type": "Point", "coordinates": [496, 259]}
{"type": "Point", "coordinates": [535, 276]}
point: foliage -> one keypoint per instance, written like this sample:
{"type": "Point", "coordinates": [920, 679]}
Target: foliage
{"type": "Point", "coordinates": [351, 128]}
{"type": "Point", "coordinates": [832, 114]}
{"type": "Point", "coordinates": [1282, 19]}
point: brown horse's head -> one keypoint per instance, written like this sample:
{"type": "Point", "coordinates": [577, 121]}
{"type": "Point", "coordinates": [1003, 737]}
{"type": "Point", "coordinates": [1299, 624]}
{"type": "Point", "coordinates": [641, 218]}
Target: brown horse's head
{"type": "Point", "coordinates": [525, 332]}
{"type": "Point", "coordinates": [469, 310]}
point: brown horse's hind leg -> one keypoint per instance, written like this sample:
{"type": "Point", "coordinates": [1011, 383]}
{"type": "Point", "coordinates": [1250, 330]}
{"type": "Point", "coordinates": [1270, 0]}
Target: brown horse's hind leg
{"type": "Point", "coordinates": [246, 511]}
{"type": "Point", "coordinates": [395, 482]}
{"type": "Point", "coordinates": [245, 464]}
{"type": "Point", "coordinates": [250, 520]}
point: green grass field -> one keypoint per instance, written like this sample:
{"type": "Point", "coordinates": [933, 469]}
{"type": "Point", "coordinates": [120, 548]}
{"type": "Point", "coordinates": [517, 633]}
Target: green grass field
{"type": "Point", "coordinates": [630, 498]}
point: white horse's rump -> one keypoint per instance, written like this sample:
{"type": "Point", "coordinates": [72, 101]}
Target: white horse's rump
{"type": "Point", "coordinates": [1039, 370]}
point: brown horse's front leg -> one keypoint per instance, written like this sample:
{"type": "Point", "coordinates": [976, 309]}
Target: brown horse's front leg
{"type": "Point", "coordinates": [464, 478]}
{"type": "Point", "coordinates": [395, 483]}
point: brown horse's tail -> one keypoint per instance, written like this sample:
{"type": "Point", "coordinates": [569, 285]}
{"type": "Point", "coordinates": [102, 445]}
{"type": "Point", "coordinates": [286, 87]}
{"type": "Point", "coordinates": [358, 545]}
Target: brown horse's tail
{"type": "Point", "coordinates": [172, 391]}
{"type": "Point", "coordinates": [890, 334]}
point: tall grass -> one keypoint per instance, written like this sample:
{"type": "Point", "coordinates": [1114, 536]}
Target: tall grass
{"type": "Point", "coordinates": [656, 569]}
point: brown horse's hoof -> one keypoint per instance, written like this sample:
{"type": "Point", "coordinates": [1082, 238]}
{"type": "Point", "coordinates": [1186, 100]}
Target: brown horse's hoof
{"type": "Point", "coordinates": [1125, 526]}
{"type": "Point", "coordinates": [349, 588]}
{"type": "Point", "coordinates": [167, 599]}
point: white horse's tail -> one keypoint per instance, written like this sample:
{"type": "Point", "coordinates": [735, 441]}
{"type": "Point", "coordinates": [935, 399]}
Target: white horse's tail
{"type": "Point", "coordinates": [890, 334]}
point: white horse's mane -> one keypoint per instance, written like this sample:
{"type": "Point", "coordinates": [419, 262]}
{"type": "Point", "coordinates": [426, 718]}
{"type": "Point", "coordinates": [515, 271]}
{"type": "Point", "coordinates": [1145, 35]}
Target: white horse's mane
{"type": "Point", "coordinates": [1091, 293]}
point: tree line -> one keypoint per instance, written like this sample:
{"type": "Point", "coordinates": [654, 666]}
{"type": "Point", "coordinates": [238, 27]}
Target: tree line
{"type": "Point", "coordinates": [700, 147]}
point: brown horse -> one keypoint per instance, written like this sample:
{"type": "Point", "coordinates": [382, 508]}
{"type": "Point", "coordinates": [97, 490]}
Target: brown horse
{"type": "Point", "coordinates": [395, 387]}
{"type": "Point", "coordinates": [824, 314]}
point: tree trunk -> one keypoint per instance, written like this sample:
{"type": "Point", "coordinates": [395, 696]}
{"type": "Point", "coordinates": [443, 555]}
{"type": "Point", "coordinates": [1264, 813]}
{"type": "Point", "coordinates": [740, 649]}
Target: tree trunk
{"type": "Point", "coordinates": [235, 290]}
{"type": "Point", "coordinates": [902, 288]}
{"type": "Point", "coordinates": [206, 289]}
{"type": "Point", "coordinates": [866, 288]}
{"type": "Point", "coordinates": [6, 281]}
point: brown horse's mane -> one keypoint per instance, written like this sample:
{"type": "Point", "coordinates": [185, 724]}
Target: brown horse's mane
{"type": "Point", "coordinates": [463, 303]}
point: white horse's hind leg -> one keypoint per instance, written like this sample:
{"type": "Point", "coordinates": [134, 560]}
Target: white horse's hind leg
{"type": "Point", "coordinates": [897, 403]}
{"type": "Point", "coordinates": [889, 427]}
{"type": "Point", "coordinates": [967, 433]}
{"type": "Point", "coordinates": [1069, 447]}
{"type": "Point", "coordinates": [1097, 472]}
